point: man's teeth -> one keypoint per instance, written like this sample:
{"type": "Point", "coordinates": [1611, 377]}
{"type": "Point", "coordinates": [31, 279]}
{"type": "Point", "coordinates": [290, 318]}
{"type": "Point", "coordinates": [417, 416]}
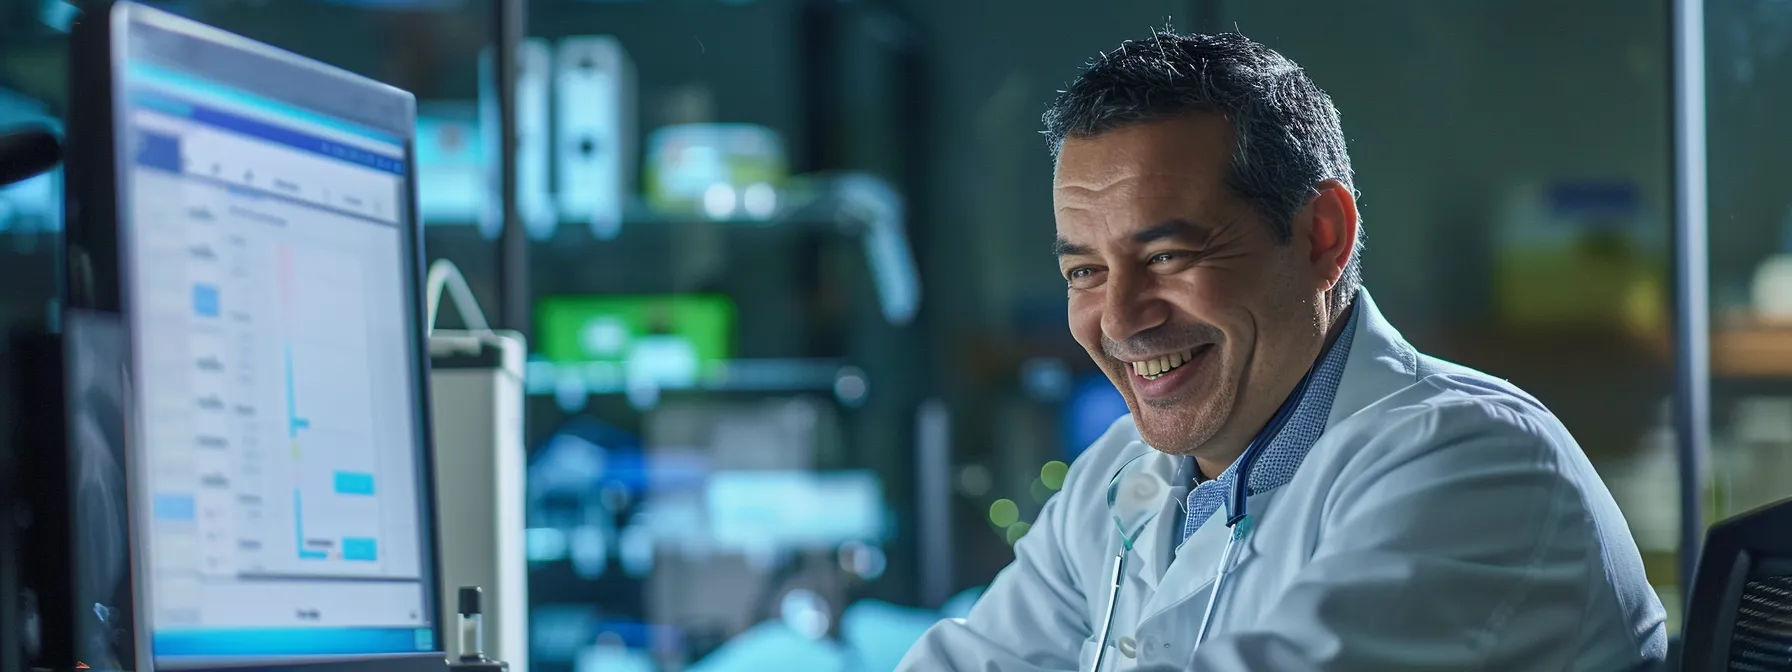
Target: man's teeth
{"type": "Point", "coordinates": [1152, 368]}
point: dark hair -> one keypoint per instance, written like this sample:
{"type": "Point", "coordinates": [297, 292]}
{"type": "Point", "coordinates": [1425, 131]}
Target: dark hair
{"type": "Point", "coordinates": [1289, 138]}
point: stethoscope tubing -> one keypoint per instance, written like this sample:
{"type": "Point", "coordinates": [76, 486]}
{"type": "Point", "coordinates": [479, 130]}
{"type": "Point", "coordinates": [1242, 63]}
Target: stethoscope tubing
{"type": "Point", "coordinates": [1107, 622]}
{"type": "Point", "coordinates": [1237, 522]}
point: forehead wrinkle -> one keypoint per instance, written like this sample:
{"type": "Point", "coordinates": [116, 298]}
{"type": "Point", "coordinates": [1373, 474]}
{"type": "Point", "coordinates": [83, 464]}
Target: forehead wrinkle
{"type": "Point", "coordinates": [1095, 182]}
{"type": "Point", "coordinates": [1122, 183]}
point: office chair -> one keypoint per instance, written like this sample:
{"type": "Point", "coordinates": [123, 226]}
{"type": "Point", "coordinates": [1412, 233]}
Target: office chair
{"type": "Point", "coordinates": [1740, 615]}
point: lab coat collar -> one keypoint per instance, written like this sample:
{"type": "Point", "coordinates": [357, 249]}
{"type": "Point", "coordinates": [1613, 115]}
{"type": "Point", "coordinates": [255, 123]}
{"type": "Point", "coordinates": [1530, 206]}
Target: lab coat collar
{"type": "Point", "coordinates": [1381, 361]}
{"type": "Point", "coordinates": [1378, 360]}
{"type": "Point", "coordinates": [1279, 448]}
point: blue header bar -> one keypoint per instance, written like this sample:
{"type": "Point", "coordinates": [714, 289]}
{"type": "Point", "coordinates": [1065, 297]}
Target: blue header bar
{"type": "Point", "coordinates": [144, 73]}
{"type": "Point", "coordinates": [266, 131]}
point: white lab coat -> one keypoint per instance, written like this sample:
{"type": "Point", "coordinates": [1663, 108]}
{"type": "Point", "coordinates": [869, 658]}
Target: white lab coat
{"type": "Point", "coordinates": [1444, 520]}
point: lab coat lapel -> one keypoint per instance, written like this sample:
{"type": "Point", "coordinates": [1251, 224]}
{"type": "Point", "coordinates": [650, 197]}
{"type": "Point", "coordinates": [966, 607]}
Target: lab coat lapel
{"type": "Point", "coordinates": [1192, 565]}
{"type": "Point", "coordinates": [1157, 546]}
{"type": "Point", "coordinates": [1196, 562]}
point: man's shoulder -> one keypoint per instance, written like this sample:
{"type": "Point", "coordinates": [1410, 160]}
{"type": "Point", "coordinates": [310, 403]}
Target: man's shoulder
{"type": "Point", "coordinates": [1449, 404]}
{"type": "Point", "coordinates": [1453, 429]}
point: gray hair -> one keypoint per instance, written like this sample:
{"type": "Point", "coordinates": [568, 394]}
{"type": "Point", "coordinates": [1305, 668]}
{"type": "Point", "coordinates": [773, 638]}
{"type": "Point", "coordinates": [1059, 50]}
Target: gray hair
{"type": "Point", "coordinates": [1289, 137]}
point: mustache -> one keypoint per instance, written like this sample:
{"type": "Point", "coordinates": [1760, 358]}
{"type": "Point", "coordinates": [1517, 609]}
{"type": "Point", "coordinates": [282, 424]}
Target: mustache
{"type": "Point", "coordinates": [1158, 340]}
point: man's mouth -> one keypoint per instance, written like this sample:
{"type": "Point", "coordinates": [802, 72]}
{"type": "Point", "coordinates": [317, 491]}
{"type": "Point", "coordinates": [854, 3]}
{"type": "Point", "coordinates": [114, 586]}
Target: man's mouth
{"type": "Point", "coordinates": [1157, 367]}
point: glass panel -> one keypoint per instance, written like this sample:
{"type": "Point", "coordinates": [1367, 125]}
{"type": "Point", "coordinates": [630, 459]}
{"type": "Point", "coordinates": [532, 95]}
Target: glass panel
{"type": "Point", "coordinates": [1749, 83]}
{"type": "Point", "coordinates": [1517, 204]}
{"type": "Point", "coordinates": [719, 391]}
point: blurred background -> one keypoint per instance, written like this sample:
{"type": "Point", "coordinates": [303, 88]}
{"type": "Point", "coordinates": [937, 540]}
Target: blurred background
{"type": "Point", "coordinates": [799, 371]}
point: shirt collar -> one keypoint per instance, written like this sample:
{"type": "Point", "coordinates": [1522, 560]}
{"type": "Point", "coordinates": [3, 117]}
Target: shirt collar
{"type": "Point", "coordinates": [1282, 456]}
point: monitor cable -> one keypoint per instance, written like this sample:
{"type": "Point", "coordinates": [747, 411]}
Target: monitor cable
{"type": "Point", "coordinates": [444, 275]}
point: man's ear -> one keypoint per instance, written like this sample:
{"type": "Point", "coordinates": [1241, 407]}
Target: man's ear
{"type": "Point", "coordinates": [1330, 229]}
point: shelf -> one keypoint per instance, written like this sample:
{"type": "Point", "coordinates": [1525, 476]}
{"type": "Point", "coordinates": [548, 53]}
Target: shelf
{"type": "Point", "coordinates": [1741, 350]}
{"type": "Point", "coordinates": [814, 200]}
{"type": "Point", "coordinates": [856, 206]}
{"type": "Point", "coordinates": [544, 378]}
{"type": "Point", "coordinates": [1758, 350]}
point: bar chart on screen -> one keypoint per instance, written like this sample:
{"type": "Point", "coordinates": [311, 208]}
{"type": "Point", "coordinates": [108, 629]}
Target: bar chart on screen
{"type": "Point", "coordinates": [265, 353]}
{"type": "Point", "coordinates": [332, 473]}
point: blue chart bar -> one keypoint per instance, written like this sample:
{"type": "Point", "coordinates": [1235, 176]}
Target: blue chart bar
{"type": "Point", "coordinates": [205, 300]}
{"type": "Point", "coordinates": [358, 549]}
{"type": "Point", "coordinates": [354, 483]}
{"type": "Point", "coordinates": [175, 506]}
{"type": "Point", "coordinates": [294, 423]}
{"type": "Point", "coordinates": [298, 525]}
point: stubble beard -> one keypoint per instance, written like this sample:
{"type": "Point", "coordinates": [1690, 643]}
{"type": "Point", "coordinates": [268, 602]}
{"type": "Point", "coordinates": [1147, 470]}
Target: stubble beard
{"type": "Point", "coordinates": [1183, 424]}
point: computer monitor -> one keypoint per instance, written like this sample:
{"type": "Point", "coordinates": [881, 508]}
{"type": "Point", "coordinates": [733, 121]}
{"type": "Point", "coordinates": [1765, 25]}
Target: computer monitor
{"type": "Point", "coordinates": [252, 215]}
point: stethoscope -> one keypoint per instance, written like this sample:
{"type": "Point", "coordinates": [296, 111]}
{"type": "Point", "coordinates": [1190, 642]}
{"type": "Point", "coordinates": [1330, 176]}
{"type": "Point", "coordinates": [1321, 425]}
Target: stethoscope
{"type": "Point", "coordinates": [1135, 496]}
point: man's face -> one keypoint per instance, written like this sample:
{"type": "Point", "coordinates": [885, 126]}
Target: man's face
{"type": "Point", "coordinates": [1178, 288]}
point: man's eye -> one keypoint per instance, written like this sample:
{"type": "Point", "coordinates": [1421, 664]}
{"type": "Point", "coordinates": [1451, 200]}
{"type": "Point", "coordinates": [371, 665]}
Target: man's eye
{"type": "Point", "coordinates": [1078, 273]}
{"type": "Point", "coordinates": [1163, 257]}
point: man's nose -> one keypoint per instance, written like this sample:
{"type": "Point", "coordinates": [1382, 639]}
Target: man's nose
{"type": "Point", "coordinates": [1131, 306]}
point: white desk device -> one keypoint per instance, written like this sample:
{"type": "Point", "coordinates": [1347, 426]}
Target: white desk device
{"type": "Point", "coordinates": [476, 383]}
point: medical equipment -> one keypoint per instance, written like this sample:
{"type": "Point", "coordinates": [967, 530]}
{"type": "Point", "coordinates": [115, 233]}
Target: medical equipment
{"type": "Point", "coordinates": [634, 331]}
{"type": "Point", "coordinates": [765, 510]}
{"type": "Point", "coordinates": [594, 131]}
{"type": "Point", "coordinates": [1135, 497]}
{"type": "Point", "coordinates": [476, 388]}
{"type": "Point", "coordinates": [451, 171]}
{"type": "Point", "coordinates": [722, 171]}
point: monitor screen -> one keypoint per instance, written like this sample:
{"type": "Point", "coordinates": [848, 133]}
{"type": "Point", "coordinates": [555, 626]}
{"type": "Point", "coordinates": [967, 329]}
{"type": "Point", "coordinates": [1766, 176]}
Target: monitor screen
{"type": "Point", "coordinates": [269, 254]}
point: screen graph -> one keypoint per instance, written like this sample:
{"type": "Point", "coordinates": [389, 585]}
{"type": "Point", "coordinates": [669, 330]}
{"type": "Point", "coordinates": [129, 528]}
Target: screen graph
{"type": "Point", "coordinates": [328, 418]}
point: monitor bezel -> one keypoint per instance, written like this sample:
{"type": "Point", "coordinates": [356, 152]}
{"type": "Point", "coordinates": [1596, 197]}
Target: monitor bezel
{"type": "Point", "coordinates": [102, 43]}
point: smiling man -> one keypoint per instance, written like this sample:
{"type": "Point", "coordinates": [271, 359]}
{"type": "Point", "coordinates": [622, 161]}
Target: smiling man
{"type": "Point", "coordinates": [1296, 487]}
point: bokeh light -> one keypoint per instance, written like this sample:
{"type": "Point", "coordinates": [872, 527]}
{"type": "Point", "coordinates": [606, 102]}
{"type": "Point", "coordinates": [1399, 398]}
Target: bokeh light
{"type": "Point", "coordinates": [1016, 531]}
{"type": "Point", "coordinates": [1053, 473]}
{"type": "Point", "coordinates": [1003, 513]}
